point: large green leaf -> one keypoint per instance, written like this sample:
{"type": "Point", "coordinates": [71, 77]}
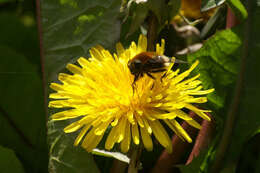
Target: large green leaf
{"type": "Point", "coordinates": [219, 60]}
{"type": "Point", "coordinates": [9, 162]}
{"type": "Point", "coordinates": [70, 29]}
{"type": "Point", "coordinates": [20, 34]}
{"type": "Point", "coordinates": [219, 65]}
{"type": "Point", "coordinates": [248, 119]}
{"type": "Point", "coordinates": [22, 118]}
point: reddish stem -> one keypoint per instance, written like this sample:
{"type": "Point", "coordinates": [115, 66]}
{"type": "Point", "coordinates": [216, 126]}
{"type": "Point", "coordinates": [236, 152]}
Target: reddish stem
{"type": "Point", "coordinates": [231, 19]}
{"type": "Point", "coordinates": [152, 32]}
{"type": "Point", "coordinates": [203, 139]}
{"type": "Point", "coordinates": [40, 37]}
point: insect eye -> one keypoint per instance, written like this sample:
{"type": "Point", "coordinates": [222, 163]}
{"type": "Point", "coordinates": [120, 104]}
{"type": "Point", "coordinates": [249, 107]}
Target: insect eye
{"type": "Point", "coordinates": [135, 66]}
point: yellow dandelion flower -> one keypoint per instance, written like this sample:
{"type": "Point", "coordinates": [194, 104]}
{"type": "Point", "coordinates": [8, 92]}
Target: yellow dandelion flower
{"type": "Point", "coordinates": [100, 94]}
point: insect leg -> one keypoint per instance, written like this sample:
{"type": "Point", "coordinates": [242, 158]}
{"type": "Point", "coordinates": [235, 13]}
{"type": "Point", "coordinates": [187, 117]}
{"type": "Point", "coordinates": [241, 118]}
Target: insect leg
{"type": "Point", "coordinates": [137, 75]}
{"type": "Point", "coordinates": [163, 76]}
{"type": "Point", "coordinates": [150, 75]}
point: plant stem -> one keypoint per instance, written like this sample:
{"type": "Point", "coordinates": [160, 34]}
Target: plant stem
{"type": "Point", "coordinates": [203, 139]}
{"type": "Point", "coordinates": [134, 159]}
{"type": "Point", "coordinates": [152, 32]}
{"type": "Point", "coordinates": [40, 37]}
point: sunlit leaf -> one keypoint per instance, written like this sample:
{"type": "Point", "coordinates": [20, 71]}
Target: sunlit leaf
{"type": "Point", "coordinates": [219, 60]}
{"type": "Point", "coordinates": [71, 27]}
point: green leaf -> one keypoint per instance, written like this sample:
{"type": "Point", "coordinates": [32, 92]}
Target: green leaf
{"type": "Point", "coordinates": [218, 67]}
{"type": "Point", "coordinates": [257, 169]}
{"type": "Point", "coordinates": [140, 12]}
{"type": "Point", "coordinates": [248, 119]}
{"type": "Point", "coordinates": [64, 156]}
{"type": "Point", "coordinates": [194, 166]}
{"type": "Point", "coordinates": [22, 117]}
{"type": "Point", "coordinates": [5, 1]}
{"type": "Point", "coordinates": [20, 34]}
{"type": "Point", "coordinates": [9, 162]}
{"type": "Point", "coordinates": [209, 4]}
{"type": "Point", "coordinates": [230, 169]}
{"type": "Point", "coordinates": [159, 9]}
{"type": "Point", "coordinates": [174, 7]}
{"type": "Point", "coordinates": [71, 28]}
{"type": "Point", "coordinates": [238, 8]}
{"type": "Point", "coordinates": [249, 155]}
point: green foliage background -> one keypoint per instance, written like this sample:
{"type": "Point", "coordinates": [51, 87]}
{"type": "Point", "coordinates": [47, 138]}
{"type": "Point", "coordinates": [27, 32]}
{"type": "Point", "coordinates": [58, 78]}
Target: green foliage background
{"type": "Point", "coordinates": [22, 114]}
{"type": "Point", "coordinates": [69, 29]}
